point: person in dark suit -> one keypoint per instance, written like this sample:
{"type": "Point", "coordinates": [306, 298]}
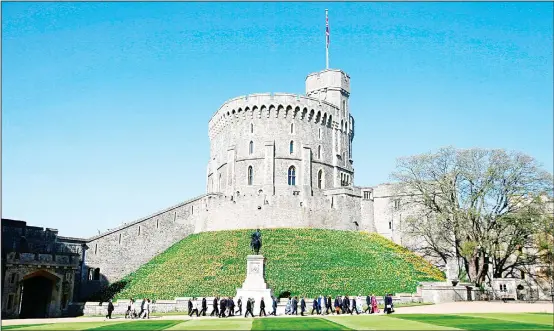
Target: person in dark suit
{"type": "Point", "coordinates": [204, 307]}
{"type": "Point", "coordinates": [248, 308]}
{"type": "Point", "coordinates": [239, 304]}
{"type": "Point", "coordinates": [215, 309]}
{"type": "Point", "coordinates": [110, 309]}
{"type": "Point", "coordinates": [262, 307]}
{"type": "Point", "coordinates": [354, 306]}
{"type": "Point", "coordinates": [222, 304]}
{"type": "Point", "coordinates": [314, 307]}
{"type": "Point", "coordinates": [190, 307]}
{"type": "Point", "coordinates": [274, 306]}
{"type": "Point", "coordinates": [231, 306]}
{"type": "Point", "coordinates": [302, 306]}
{"type": "Point", "coordinates": [346, 305]}
{"type": "Point", "coordinates": [337, 304]}
{"type": "Point", "coordinates": [388, 303]}
{"type": "Point", "coordinates": [295, 306]}
{"type": "Point", "coordinates": [328, 305]}
{"type": "Point", "coordinates": [368, 303]}
{"type": "Point", "coordinates": [341, 305]}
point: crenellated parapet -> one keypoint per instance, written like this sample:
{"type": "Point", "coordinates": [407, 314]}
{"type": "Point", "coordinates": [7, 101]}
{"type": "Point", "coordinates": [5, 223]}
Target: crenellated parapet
{"type": "Point", "coordinates": [276, 105]}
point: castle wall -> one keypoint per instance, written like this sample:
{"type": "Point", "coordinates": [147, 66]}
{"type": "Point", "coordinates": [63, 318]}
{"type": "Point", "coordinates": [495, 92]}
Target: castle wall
{"type": "Point", "coordinates": [280, 211]}
{"type": "Point", "coordinates": [121, 251]}
{"type": "Point", "coordinates": [392, 208]}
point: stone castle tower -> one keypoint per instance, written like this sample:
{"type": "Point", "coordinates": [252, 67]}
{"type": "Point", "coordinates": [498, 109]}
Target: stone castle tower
{"type": "Point", "coordinates": [275, 144]}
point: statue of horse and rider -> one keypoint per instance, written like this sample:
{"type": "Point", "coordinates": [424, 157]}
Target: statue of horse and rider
{"type": "Point", "coordinates": [256, 241]}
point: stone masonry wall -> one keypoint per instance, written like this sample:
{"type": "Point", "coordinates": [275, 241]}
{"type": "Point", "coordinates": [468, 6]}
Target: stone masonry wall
{"type": "Point", "coordinates": [120, 251]}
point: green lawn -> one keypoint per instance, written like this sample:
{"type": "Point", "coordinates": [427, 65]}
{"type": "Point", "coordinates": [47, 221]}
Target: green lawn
{"type": "Point", "coordinates": [473, 323]}
{"type": "Point", "coordinates": [138, 325]}
{"type": "Point", "coordinates": [481, 321]}
{"type": "Point", "coordinates": [296, 323]}
{"type": "Point", "coordinates": [215, 324]}
{"type": "Point", "coordinates": [11, 327]}
{"type": "Point", "coordinates": [294, 263]}
{"type": "Point", "coordinates": [547, 319]}
{"type": "Point", "coordinates": [383, 323]}
{"type": "Point", "coordinates": [64, 326]}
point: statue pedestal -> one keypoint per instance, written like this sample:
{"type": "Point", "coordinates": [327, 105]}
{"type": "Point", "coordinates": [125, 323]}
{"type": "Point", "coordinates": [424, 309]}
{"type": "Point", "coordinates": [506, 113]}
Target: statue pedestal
{"type": "Point", "coordinates": [255, 286]}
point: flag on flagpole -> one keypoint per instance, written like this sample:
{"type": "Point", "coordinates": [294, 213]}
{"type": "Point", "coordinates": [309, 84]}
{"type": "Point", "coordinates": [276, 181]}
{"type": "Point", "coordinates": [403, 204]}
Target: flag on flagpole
{"type": "Point", "coordinates": [327, 28]}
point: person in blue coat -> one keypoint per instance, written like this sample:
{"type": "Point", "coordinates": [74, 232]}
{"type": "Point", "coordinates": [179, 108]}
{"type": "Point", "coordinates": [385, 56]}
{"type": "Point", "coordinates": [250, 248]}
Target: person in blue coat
{"type": "Point", "coordinates": [314, 306]}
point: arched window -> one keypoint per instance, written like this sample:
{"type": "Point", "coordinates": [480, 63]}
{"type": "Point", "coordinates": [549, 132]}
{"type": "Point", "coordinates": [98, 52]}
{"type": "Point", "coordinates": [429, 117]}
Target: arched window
{"type": "Point", "coordinates": [251, 128]}
{"type": "Point", "coordinates": [250, 175]}
{"type": "Point", "coordinates": [220, 183]}
{"type": "Point", "coordinates": [292, 128]}
{"type": "Point", "coordinates": [320, 179]}
{"type": "Point", "coordinates": [251, 147]}
{"type": "Point", "coordinates": [319, 152]}
{"type": "Point", "coordinates": [291, 147]}
{"type": "Point", "coordinates": [344, 108]}
{"type": "Point", "coordinates": [319, 133]}
{"type": "Point", "coordinates": [292, 175]}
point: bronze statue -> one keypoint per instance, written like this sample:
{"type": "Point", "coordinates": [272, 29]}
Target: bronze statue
{"type": "Point", "coordinates": [256, 241]}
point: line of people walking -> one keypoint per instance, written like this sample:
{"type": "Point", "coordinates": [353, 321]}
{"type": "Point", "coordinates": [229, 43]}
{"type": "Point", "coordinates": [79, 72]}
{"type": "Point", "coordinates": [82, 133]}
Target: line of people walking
{"type": "Point", "coordinates": [145, 309]}
{"type": "Point", "coordinates": [341, 304]}
{"type": "Point", "coordinates": [225, 306]}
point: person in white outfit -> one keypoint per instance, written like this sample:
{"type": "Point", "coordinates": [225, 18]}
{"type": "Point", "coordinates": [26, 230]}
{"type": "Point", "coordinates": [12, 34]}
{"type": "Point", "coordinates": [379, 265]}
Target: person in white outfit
{"type": "Point", "coordinates": [133, 309]}
{"type": "Point", "coordinates": [359, 303]}
{"type": "Point", "coordinates": [194, 307]}
{"type": "Point", "coordinates": [146, 312]}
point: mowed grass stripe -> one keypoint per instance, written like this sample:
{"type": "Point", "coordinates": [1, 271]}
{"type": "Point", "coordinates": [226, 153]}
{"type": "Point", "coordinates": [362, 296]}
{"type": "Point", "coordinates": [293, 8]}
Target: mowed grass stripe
{"type": "Point", "coordinates": [296, 323]}
{"type": "Point", "coordinates": [214, 324]}
{"type": "Point", "coordinates": [472, 323]}
{"type": "Point", "coordinates": [138, 325]}
{"type": "Point", "coordinates": [66, 326]}
{"type": "Point", "coordinates": [11, 327]}
{"type": "Point", "coordinates": [520, 318]}
{"type": "Point", "coordinates": [383, 323]}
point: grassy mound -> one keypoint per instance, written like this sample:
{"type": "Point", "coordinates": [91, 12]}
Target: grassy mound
{"type": "Point", "coordinates": [305, 262]}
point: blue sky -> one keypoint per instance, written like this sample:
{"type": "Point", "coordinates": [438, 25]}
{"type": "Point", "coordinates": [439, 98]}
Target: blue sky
{"type": "Point", "coordinates": [105, 106]}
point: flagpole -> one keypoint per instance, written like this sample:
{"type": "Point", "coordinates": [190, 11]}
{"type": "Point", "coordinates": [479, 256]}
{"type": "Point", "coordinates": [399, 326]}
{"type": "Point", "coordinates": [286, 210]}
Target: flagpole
{"type": "Point", "coordinates": [326, 39]}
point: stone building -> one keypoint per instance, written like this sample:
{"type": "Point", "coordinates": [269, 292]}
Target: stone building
{"type": "Point", "coordinates": [276, 160]}
{"type": "Point", "coordinates": [40, 271]}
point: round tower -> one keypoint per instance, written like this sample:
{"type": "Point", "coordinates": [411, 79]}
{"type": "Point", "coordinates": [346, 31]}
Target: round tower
{"type": "Point", "coordinates": [283, 144]}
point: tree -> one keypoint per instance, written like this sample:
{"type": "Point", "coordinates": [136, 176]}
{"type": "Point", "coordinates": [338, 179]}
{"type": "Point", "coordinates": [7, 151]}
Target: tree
{"type": "Point", "coordinates": [477, 206]}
